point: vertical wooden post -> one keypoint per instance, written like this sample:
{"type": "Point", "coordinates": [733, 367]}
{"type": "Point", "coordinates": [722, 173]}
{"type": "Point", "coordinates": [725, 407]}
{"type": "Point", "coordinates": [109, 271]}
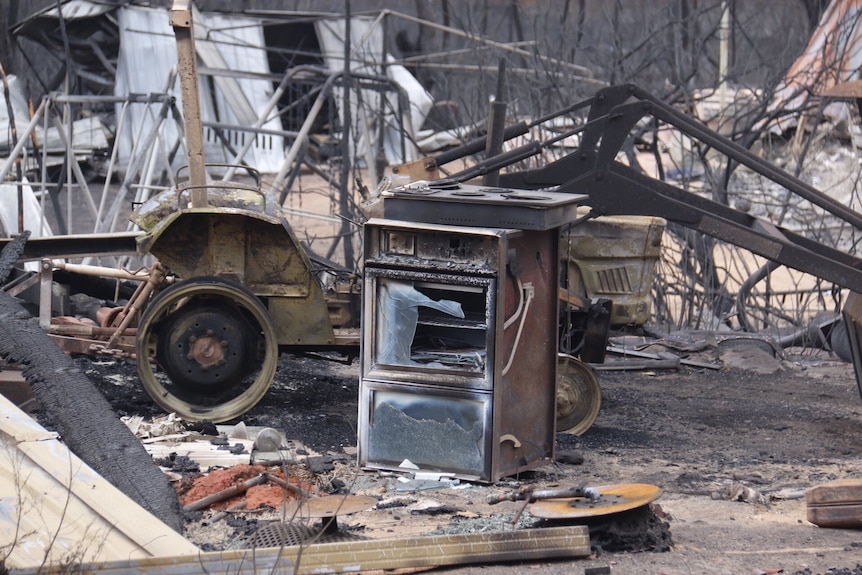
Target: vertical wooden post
{"type": "Point", "coordinates": [187, 69]}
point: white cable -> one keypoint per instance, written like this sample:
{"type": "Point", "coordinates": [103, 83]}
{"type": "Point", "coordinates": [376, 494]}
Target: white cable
{"type": "Point", "coordinates": [515, 315]}
{"type": "Point", "coordinates": [528, 288]}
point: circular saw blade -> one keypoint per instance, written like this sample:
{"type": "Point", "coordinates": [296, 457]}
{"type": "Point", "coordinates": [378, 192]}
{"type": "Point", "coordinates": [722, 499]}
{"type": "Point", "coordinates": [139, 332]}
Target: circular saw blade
{"type": "Point", "coordinates": [612, 499]}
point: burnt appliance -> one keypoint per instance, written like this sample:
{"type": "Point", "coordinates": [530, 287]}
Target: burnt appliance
{"type": "Point", "coordinates": [459, 344]}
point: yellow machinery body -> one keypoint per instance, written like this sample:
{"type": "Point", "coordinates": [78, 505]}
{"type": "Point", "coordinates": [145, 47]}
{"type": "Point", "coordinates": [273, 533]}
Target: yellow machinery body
{"type": "Point", "coordinates": [241, 237]}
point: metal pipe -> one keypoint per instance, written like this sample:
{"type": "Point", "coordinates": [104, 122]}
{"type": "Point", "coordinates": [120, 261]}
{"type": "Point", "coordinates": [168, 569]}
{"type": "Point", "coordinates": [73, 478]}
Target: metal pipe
{"type": "Point", "coordinates": [261, 120]}
{"type": "Point", "coordinates": [137, 302]}
{"type": "Point", "coordinates": [130, 98]}
{"type": "Point", "coordinates": [101, 271]}
{"type": "Point", "coordinates": [496, 125]}
{"type": "Point", "coordinates": [586, 72]}
{"type": "Point", "coordinates": [75, 170]}
{"type": "Point", "coordinates": [134, 168]}
{"type": "Point", "coordinates": [343, 202]}
{"type": "Point", "coordinates": [290, 157]}
{"type": "Point", "coordinates": [22, 141]}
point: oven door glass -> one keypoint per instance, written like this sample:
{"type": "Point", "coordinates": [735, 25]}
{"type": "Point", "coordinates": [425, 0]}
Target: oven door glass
{"type": "Point", "coordinates": [432, 325]}
{"type": "Point", "coordinates": [443, 432]}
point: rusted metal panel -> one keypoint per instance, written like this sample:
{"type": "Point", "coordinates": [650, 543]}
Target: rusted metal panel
{"type": "Point", "coordinates": [187, 69]}
{"type": "Point", "coordinates": [525, 378]}
{"type": "Point", "coordinates": [835, 504]}
{"type": "Point", "coordinates": [275, 264]}
{"type": "Point", "coordinates": [302, 321]}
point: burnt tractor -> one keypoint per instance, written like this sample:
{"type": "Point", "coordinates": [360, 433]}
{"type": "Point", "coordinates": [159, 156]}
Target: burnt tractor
{"type": "Point", "coordinates": [208, 344]}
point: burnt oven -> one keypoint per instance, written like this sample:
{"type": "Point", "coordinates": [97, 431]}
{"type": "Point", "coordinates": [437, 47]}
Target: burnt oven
{"type": "Point", "coordinates": [458, 349]}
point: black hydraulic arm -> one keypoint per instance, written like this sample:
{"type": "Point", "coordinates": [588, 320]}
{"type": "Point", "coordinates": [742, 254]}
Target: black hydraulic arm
{"type": "Point", "coordinates": [617, 189]}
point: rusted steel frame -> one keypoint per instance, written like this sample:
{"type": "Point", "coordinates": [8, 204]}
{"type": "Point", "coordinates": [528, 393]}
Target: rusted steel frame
{"type": "Point", "coordinates": [649, 104]}
{"type": "Point", "coordinates": [85, 330]}
{"type": "Point", "coordinates": [76, 344]}
{"type": "Point", "coordinates": [129, 98]}
{"type": "Point", "coordinates": [135, 166]}
{"type": "Point", "coordinates": [580, 72]}
{"type": "Point", "coordinates": [619, 189]}
{"type": "Point", "coordinates": [270, 105]}
{"type": "Point", "coordinates": [73, 164]}
{"type": "Point", "coordinates": [521, 128]}
{"type": "Point", "coordinates": [22, 141]}
{"type": "Point", "coordinates": [13, 131]}
{"type": "Point", "coordinates": [366, 81]}
{"type": "Point", "coordinates": [46, 276]}
{"type": "Point", "coordinates": [137, 302]}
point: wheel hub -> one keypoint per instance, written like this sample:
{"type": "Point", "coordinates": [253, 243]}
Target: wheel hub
{"type": "Point", "coordinates": [207, 351]}
{"type": "Point", "coordinates": [206, 347]}
{"type": "Point", "coordinates": [215, 345]}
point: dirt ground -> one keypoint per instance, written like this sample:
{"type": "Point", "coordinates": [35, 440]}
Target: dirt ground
{"type": "Point", "coordinates": [710, 439]}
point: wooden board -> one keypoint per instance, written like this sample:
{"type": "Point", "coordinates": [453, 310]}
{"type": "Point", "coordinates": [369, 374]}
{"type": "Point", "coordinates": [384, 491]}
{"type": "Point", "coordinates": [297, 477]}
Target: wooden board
{"type": "Point", "coordinates": [836, 504]}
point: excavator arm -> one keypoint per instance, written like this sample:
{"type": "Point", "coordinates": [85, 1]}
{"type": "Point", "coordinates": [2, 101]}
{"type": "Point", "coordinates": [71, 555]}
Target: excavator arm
{"type": "Point", "coordinates": [617, 188]}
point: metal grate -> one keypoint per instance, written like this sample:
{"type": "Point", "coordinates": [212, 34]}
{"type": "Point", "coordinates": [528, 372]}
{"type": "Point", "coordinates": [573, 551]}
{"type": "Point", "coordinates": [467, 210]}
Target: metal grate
{"type": "Point", "coordinates": [278, 534]}
{"type": "Point", "coordinates": [614, 280]}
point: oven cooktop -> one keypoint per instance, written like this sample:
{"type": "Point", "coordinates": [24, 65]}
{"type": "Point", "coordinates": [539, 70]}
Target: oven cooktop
{"type": "Point", "coordinates": [472, 205]}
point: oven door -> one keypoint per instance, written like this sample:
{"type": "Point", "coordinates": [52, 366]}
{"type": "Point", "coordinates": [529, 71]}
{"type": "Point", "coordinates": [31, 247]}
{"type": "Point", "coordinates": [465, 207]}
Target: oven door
{"type": "Point", "coordinates": [429, 327]}
{"type": "Point", "coordinates": [436, 429]}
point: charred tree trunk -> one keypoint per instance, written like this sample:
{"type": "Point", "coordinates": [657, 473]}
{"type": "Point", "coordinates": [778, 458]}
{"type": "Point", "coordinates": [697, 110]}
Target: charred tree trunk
{"type": "Point", "coordinates": [78, 411]}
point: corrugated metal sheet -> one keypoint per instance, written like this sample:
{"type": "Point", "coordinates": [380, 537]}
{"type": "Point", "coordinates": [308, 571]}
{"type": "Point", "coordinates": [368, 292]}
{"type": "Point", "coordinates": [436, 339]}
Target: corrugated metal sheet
{"type": "Point", "coordinates": [54, 509]}
{"type": "Point", "coordinates": [833, 55]}
{"type": "Point", "coordinates": [239, 41]}
{"type": "Point", "coordinates": [148, 57]}
{"type": "Point", "coordinates": [72, 9]}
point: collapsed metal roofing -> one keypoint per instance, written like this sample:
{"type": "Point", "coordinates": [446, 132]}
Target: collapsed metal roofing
{"type": "Point", "coordinates": [832, 56]}
{"type": "Point", "coordinates": [125, 49]}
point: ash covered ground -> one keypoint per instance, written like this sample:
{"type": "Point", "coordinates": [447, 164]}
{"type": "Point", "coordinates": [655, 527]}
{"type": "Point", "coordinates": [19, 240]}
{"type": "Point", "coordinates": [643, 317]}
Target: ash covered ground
{"type": "Point", "coordinates": [733, 451]}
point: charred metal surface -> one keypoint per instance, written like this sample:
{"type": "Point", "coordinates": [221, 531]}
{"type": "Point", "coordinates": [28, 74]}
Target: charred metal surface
{"type": "Point", "coordinates": [480, 206]}
{"type": "Point", "coordinates": [459, 357]}
{"type": "Point", "coordinates": [440, 249]}
{"type": "Point", "coordinates": [78, 245]}
{"type": "Point", "coordinates": [617, 189]}
{"type": "Point", "coordinates": [229, 197]}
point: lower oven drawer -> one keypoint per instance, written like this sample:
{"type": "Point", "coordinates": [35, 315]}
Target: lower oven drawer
{"type": "Point", "coordinates": [443, 430]}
